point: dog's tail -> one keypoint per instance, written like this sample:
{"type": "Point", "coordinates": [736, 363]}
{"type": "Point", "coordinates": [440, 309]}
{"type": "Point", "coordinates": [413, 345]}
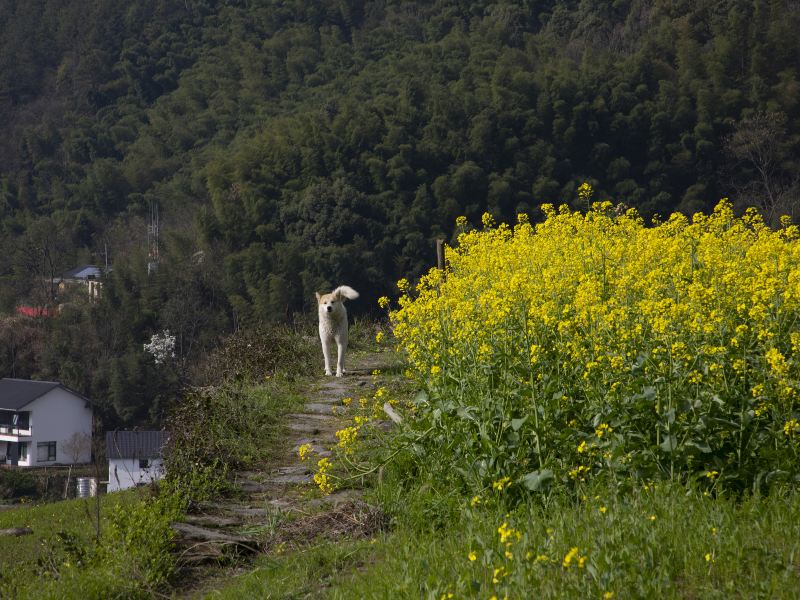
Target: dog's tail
{"type": "Point", "coordinates": [344, 291]}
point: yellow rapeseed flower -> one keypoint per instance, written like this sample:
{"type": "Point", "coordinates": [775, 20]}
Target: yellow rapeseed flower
{"type": "Point", "coordinates": [304, 450]}
{"type": "Point", "coordinates": [501, 483]}
{"type": "Point", "coordinates": [569, 557]}
{"type": "Point", "coordinates": [585, 191]}
{"type": "Point", "coordinates": [506, 533]}
{"type": "Point", "coordinates": [498, 574]}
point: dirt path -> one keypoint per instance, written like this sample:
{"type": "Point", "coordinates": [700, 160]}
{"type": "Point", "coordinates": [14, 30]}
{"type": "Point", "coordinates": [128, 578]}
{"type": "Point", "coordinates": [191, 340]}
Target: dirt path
{"type": "Point", "coordinates": [279, 504]}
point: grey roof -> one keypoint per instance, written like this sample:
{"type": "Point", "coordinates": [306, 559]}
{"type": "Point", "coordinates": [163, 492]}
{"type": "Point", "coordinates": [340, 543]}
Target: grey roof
{"type": "Point", "coordinates": [83, 272]}
{"type": "Point", "coordinates": [136, 444]}
{"type": "Point", "coordinates": [16, 393]}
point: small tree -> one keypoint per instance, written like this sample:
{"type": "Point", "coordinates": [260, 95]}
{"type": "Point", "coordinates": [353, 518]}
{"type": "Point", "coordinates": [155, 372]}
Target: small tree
{"type": "Point", "coordinates": [764, 174]}
{"type": "Point", "coordinates": [77, 445]}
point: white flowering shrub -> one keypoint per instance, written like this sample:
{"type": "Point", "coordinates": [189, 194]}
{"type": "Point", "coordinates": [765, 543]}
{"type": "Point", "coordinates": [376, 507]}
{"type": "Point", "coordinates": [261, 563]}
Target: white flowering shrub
{"type": "Point", "coordinates": [161, 346]}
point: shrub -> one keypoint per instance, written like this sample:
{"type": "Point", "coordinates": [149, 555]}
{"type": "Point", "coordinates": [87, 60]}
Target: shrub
{"type": "Point", "coordinates": [592, 344]}
{"type": "Point", "coordinates": [257, 354]}
{"type": "Point", "coordinates": [16, 483]}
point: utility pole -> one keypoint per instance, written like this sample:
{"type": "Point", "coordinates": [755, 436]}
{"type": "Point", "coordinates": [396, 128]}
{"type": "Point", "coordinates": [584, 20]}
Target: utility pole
{"type": "Point", "coordinates": [440, 253]}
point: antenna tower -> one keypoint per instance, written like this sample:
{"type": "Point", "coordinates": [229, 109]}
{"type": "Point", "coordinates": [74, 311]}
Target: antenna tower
{"type": "Point", "coordinates": [152, 239]}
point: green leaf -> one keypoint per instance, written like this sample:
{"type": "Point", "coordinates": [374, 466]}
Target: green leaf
{"type": "Point", "coordinates": [421, 397]}
{"type": "Point", "coordinates": [669, 444]}
{"type": "Point", "coordinates": [517, 423]}
{"type": "Point", "coordinates": [537, 480]}
{"type": "Point", "coordinates": [465, 414]}
{"type": "Point", "coordinates": [701, 446]}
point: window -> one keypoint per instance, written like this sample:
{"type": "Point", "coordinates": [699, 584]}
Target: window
{"type": "Point", "coordinates": [23, 451]}
{"type": "Point", "coordinates": [144, 463]}
{"type": "Point", "coordinates": [46, 451]}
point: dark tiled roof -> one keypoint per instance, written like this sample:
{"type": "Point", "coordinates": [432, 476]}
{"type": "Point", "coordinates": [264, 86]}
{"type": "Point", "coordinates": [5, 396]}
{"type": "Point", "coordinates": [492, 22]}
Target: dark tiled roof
{"type": "Point", "coordinates": [135, 444]}
{"type": "Point", "coordinates": [16, 393]}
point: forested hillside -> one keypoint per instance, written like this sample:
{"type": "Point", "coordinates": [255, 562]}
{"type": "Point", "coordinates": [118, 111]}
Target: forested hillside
{"type": "Point", "coordinates": [293, 146]}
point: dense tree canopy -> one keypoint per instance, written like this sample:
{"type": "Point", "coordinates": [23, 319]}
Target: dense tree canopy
{"type": "Point", "coordinates": [294, 146]}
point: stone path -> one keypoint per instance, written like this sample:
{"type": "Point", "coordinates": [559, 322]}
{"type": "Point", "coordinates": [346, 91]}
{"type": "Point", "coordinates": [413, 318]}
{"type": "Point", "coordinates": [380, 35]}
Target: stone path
{"type": "Point", "coordinates": [274, 503]}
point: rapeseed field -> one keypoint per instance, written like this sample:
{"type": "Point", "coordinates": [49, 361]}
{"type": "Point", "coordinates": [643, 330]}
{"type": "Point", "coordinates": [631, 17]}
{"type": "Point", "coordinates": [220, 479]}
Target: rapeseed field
{"type": "Point", "coordinates": [592, 345]}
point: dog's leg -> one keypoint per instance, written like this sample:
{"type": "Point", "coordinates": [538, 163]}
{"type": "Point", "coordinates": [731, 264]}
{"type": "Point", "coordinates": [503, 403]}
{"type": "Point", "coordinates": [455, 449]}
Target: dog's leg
{"type": "Point", "coordinates": [327, 355]}
{"type": "Point", "coordinates": [341, 348]}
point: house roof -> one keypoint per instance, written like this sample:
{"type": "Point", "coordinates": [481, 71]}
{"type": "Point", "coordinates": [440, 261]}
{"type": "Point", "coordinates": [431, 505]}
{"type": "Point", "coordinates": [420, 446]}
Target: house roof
{"type": "Point", "coordinates": [17, 393]}
{"type": "Point", "coordinates": [34, 311]}
{"type": "Point", "coordinates": [83, 272]}
{"type": "Point", "coordinates": [136, 444]}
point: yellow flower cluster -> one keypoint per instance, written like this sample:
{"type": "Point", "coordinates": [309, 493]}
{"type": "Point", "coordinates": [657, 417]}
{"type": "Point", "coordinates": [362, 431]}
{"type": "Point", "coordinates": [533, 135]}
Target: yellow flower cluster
{"type": "Point", "coordinates": [322, 478]}
{"type": "Point", "coordinates": [508, 534]}
{"type": "Point", "coordinates": [501, 484]}
{"type": "Point", "coordinates": [585, 192]}
{"type": "Point", "coordinates": [304, 450]}
{"type": "Point", "coordinates": [681, 331]}
{"type": "Point", "coordinates": [347, 438]}
{"type": "Point", "coordinates": [573, 555]}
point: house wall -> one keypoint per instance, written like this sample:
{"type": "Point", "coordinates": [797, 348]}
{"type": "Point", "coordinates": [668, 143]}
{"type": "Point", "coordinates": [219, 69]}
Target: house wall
{"type": "Point", "coordinates": [124, 473]}
{"type": "Point", "coordinates": [55, 417]}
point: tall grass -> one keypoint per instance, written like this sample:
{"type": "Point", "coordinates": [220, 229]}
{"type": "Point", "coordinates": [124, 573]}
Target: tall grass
{"type": "Point", "coordinates": [665, 541]}
{"type": "Point", "coordinates": [668, 541]}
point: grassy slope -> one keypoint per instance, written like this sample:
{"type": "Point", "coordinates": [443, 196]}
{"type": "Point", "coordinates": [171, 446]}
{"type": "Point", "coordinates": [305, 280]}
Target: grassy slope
{"type": "Point", "coordinates": [47, 520]}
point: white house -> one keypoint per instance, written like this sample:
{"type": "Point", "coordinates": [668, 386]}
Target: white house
{"type": "Point", "coordinates": [43, 423]}
{"type": "Point", "coordinates": [134, 458]}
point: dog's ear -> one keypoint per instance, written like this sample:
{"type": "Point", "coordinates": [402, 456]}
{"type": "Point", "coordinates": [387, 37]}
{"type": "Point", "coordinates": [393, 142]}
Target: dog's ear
{"type": "Point", "coordinates": [317, 295]}
{"type": "Point", "coordinates": [337, 295]}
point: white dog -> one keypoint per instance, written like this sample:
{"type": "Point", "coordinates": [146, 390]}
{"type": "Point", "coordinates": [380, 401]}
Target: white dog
{"type": "Point", "coordinates": [333, 324]}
